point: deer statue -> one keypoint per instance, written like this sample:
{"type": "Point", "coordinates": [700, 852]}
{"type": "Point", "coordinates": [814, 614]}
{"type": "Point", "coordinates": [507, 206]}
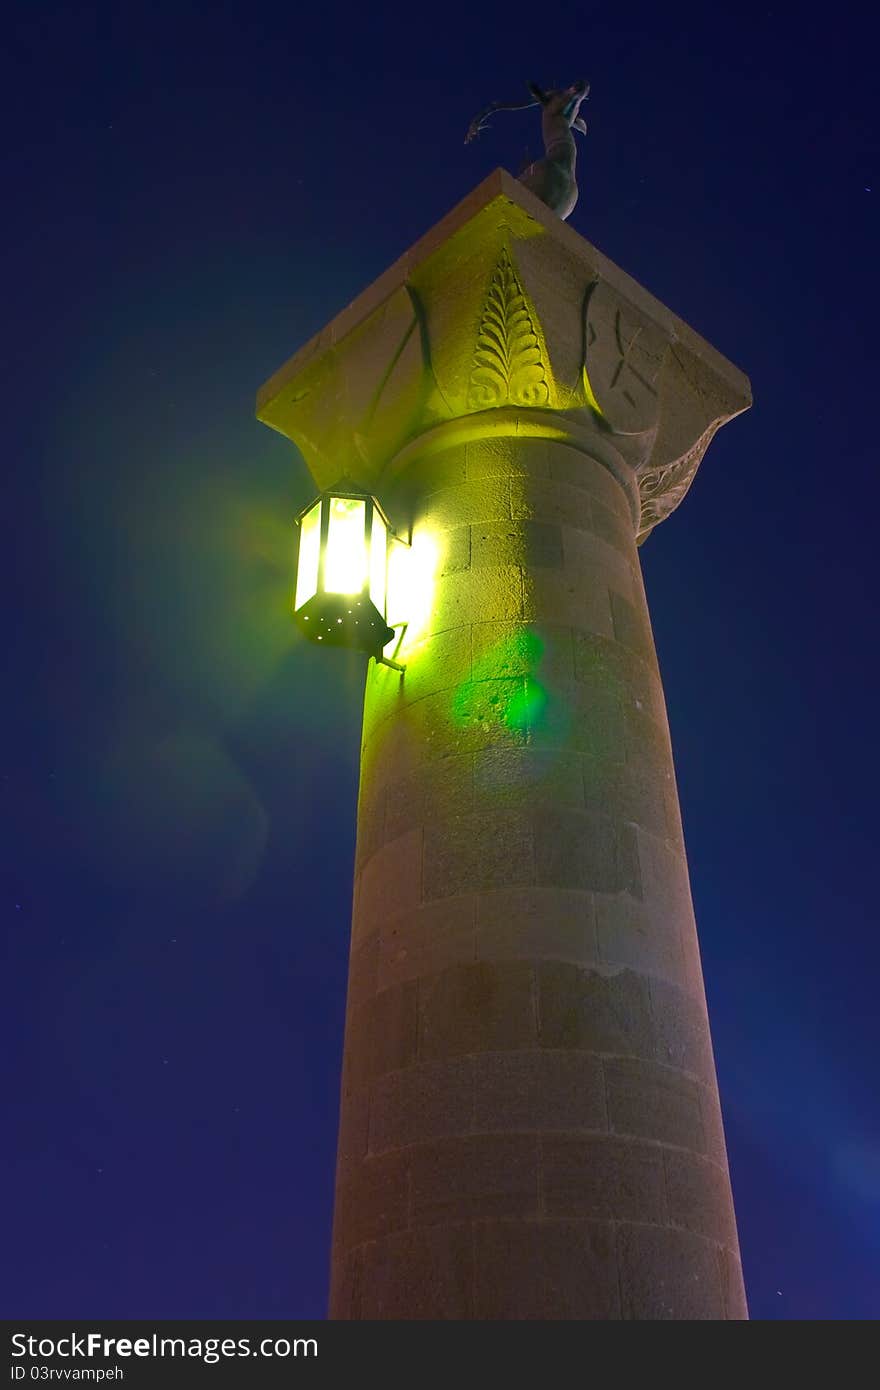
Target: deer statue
{"type": "Point", "coordinates": [552, 179]}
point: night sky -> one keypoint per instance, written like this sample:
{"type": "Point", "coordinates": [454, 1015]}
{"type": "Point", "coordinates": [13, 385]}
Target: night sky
{"type": "Point", "coordinates": [190, 192]}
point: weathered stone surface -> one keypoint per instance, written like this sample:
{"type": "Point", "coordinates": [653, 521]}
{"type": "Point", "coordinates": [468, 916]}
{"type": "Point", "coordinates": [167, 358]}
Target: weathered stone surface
{"type": "Point", "coordinates": [382, 1034]}
{"type": "Point", "coordinates": [630, 933]}
{"type": "Point", "coordinates": [478, 853]}
{"type": "Point", "coordinates": [578, 601]}
{"type": "Point", "coordinates": [494, 458]}
{"type": "Point", "coordinates": [389, 884]}
{"type": "Point", "coordinates": [615, 1179]}
{"type": "Point", "coordinates": [654, 1102]}
{"type": "Point", "coordinates": [545, 1270]}
{"type": "Point", "coordinates": [552, 503]}
{"type": "Point", "coordinates": [732, 1289]}
{"type": "Point", "coordinates": [539, 1091]}
{"type": "Point", "coordinates": [682, 1030]}
{"type": "Point", "coordinates": [572, 466]}
{"type": "Point", "coordinates": [578, 849]}
{"type": "Point", "coordinates": [425, 1273]}
{"type": "Point", "coordinates": [698, 1194]}
{"type": "Point", "coordinates": [484, 1006]}
{"type": "Point", "coordinates": [595, 1012]}
{"type": "Point", "coordinates": [482, 1176]}
{"type": "Point", "coordinates": [667, 1274]}
{"type": "Point", "coordinates": [536, 924]}
{"type": "Point", "coordinates": [527, 778]}
{"type": "Point", "coordinates": [427, 940]}
{"type": "Point", "coordinates": [440, 790]}
{"type": "Point", "coordinates": [426, 1101]}
{"type": "Point", "coordinates": [375, 1201]}
{"type": "Point", "coordinates": [504, 650]}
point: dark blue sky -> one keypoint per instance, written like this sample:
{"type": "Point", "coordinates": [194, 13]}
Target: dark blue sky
{"type": "Point", "coordinates": [189, 193]}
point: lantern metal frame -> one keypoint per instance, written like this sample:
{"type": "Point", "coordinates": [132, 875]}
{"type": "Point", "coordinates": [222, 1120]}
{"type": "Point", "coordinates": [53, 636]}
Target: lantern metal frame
{"type": "Point", "coordinates": [347, 619]}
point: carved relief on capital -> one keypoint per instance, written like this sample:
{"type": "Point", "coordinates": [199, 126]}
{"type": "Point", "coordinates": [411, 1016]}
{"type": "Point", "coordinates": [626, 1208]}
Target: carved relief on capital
{"type": "Point", "coordinates": [623, 358]}
{"type": "Point", "coordinates": [508, 366]}
{"type": "Point", "coordinates": [357, 400]}
{"type": "Point", "coordinates": [502, 313]}
{"type": "Point", "coordinates": [695, 402]}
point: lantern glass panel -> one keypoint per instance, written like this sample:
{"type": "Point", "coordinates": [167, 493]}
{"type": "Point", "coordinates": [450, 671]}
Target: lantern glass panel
{"type": "Point", "coordinates": [345, 561]}
{"type": "Point", "coordinates": [309, 552]}
{"type": "Point", "coordinates": [378, 560]}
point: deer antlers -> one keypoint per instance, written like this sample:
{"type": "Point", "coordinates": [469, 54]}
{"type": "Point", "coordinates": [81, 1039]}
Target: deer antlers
{"type": "Point", "coordinates": [480, 122]}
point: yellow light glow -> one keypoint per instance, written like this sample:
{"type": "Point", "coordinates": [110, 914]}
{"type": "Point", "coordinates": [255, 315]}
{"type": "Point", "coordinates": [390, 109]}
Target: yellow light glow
{"type": "Point", "coordinates": [345, 561]}
{"type": "Point", "coordinates": [411, 578]}
{"type": "Point", "coordinates": [378, 561]}
{"type": "Point", "coordinates": [309, 548]}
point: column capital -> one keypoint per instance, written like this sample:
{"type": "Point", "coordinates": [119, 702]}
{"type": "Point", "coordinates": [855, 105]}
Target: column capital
{"type": "Point", "coordinates": [504, 319]}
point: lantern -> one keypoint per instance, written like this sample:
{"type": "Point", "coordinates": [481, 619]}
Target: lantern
{"type": "Point", "coordinates": [342, 571]}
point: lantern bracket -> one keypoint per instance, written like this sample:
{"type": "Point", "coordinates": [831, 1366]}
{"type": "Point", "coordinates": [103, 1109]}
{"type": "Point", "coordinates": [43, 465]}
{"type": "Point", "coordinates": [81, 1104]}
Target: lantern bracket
{"type": "Point", "coordinates": [389, 660]}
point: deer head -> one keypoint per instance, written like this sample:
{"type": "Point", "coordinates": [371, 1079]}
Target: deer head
{"type": "Point", "coordinates": [563, 103]}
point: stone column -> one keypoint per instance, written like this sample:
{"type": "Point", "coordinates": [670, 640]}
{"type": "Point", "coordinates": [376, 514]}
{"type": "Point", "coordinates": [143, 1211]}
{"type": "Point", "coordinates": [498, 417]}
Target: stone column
{"type": "Point", "coordinates": [529, 1125]}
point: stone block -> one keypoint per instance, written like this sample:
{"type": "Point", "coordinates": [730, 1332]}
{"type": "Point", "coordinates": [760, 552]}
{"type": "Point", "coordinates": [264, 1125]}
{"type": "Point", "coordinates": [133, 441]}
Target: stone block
{"type": "Point", "coordinates": [389, 884]}
{"type": "Point", "coordinates": [682, 1030]}
{"type": "Point", "coordinates": [478, 852]}
{"type": "Point", "coordinates": [468, 503]}
{"type": "Point", "coordinates": [545, 1270]}
{"type": "Point", "coordinates": [568, 465]}
{"type": "Point", "coordinates": [354, 1124]}
{"type": "Point", "coordinates": [698, 1196]}
{"type": "Point", "coordinates": [485, 1175]}
{"type": "Point", "coordinates": [667, 1275]}
{"type": "Point", "coordinates": [420, 1274]}
{"type": "Point", "coordinates": [538, 1090]}
{"type": "Point", "coordinates": [631, 626]}
{"type": "Point", "coordinates": [370, 825]}
{"type": "Point", "coordinates": [637, 793]}
{"type": "Point", "coordinates": [375, 1201]}
{"type": "Point", "coordinates": [496, 543]}
{"type": "Point", "coordinates": [427, 1101]}
{"type": "Point", "coordinates": [606, 667]}
{"type": "Point", "coordinates": [536, 924]}
{"type": "Point", "coordinates": [489, 594]}
{"type": "Point", "coordinates": [654, 1102]}
{"type": "Point", "coordinates": [345, 1289]}
{"type": "Point", "coordinates": [527, 778]}
{"type": "Point", "coordinates": [363, 968]}
{"type": "Point", "coordinates": [541, 650]}
{"type": "Point", "coordinates": [585, 554]}
{"type": "Point", "coordinates": [426, 941]}
{"type": "Point", "coordinates": [441, 790]}
{"type": "Point", "coordinates": [597, 721]}
{"type": "Point", "coordinates": [614, 528]}
{"type": "Point", "coordinates": [381, 1035]}
{"type": "Point", "coordinates": [732, 1289]}
{"type": "Point", "coordinates": [713, 1125]}
{"type": "Point", "coordinates": [455, 550]}
{"type": "Point", "coordinates": [437, 663]}
{"type": "Point", "coordinates": [578, 849]}
{"type": "Point", "coordinates": [602, 1178]}
{"type": "Point", "coordinates": [577, 601]}
{"type": "Point", "coordinates": [500, 457]}
{"type": "Point", "coordinates": [481, 1006]}
{"type": "Point", "coordinates": [474, 716]}
{"type": "Point", "coordinates": [630, 934]}
{"type": "Point", "coordinates": [595, 1012]}
{"type": "Point", "coordinates": [646, 733]}
{"type": "Point", "coordinates": [556, 502]}
{"type": "Point", "coordinates": [665, 883]}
